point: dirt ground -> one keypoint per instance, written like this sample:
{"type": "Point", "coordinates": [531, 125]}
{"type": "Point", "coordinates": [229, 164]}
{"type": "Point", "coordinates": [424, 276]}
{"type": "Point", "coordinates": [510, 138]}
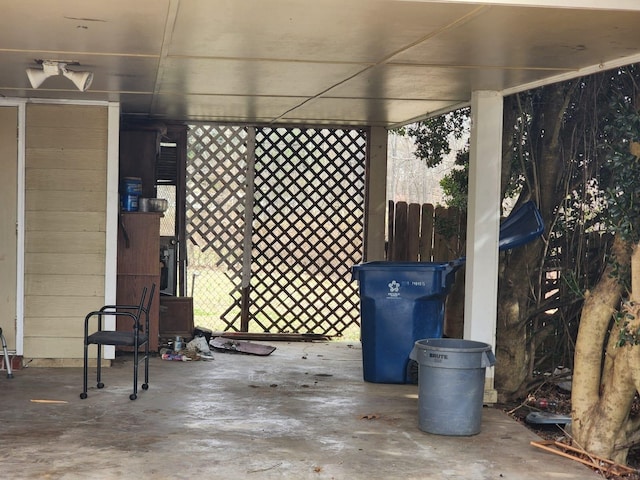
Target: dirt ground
{"type": "Point", "coordinates": [550, 398]}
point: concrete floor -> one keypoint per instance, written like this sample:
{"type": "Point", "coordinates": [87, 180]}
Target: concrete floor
{"type": "Point", "coordinates": [303, 412]}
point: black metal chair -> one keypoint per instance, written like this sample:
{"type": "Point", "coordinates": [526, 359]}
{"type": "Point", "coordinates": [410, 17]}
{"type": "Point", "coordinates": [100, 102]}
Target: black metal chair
{"type": "Point", "coordinates": [138, 337]}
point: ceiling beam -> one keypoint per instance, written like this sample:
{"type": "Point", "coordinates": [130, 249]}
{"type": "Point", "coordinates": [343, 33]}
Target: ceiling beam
{"type": "Point", "coordinates": [563, 77]}
{"type": "Point", "coordinates": [631, 5]}
{"type": "Point", "coordinates": [590, 70]}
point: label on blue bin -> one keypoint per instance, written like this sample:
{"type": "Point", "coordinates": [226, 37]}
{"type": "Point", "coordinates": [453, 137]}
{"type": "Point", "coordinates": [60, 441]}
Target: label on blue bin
{"type": "Point", "coordinates": [395, 287]}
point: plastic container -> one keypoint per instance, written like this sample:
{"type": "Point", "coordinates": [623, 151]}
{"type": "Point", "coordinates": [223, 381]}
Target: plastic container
{"type": "Point", "coordinates": [451, 384]}
{"type": "Point", "coordinates": [130, 192]}
{"type": "Point", "coordinates": [129, 203]}
{"type": "Point", "coordinates": [400, 303]}
{"type": "Point", "coordinates": [131, 185]}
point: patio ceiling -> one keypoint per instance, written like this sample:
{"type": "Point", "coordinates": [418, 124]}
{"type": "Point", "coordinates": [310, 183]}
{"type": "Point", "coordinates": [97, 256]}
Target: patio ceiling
{"type": "Point", "coordinates": [338, 62]}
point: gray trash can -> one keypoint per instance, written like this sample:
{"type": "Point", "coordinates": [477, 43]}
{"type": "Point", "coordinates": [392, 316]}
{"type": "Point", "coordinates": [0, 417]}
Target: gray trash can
{"type": "Point", "coordinates": [451, 384]}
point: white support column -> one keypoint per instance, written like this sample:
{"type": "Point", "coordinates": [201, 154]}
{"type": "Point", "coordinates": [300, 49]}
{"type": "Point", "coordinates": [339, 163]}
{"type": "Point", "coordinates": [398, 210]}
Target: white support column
{"type": "Point", "coordinates": [375, 195]}
{"type": "Point", "coordinates": [483, 223]}
{"type": "Point", "coordinates": [113, 207]}
{"type": "Point", "coordinates": [20, 227]}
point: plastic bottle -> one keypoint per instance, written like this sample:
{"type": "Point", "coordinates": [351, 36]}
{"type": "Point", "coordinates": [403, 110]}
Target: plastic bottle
{"type": "Point", "coordinates": [544, 404]}
{"type": "Point", "coordinates": [175, 356]}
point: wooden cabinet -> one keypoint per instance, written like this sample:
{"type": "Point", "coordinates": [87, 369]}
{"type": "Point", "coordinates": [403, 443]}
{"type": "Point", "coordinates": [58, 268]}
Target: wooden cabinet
{"type": "Point", "coordinates": [176, 316]}
{"type": "Point", "coordinates": [138, 156]}
{"type": "Point", "coordinates": [156, 152]}
{"type": "Point", "coordinates": [139, 266]}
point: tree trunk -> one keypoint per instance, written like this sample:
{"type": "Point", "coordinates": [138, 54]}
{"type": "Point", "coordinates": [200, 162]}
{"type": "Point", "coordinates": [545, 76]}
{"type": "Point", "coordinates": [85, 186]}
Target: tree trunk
{"type": "Point", "coordinates": [511, 335]}
{"type": "Point", "coordinates": [601, 395]}
{"type": "Point", "coordinates": [516, 296]}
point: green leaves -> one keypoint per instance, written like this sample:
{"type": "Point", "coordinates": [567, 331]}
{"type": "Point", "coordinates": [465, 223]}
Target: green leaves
{"type": "Point", "coordinates": [433, 136]}
{"type": "Point", "coordinates": [625, 335]}
{"type": "Point", "coordinates": [622, 131]}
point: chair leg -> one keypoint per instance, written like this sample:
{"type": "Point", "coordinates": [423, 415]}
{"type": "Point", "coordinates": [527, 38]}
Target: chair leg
{"type": "Point", "coordinates": [85, 371]}
{"type": "Point", "coordinates": [99, 383]}
{"type": "Point", "coordinates": [134, 395]}
{"type": "Point", "coordinates": [145, 385]}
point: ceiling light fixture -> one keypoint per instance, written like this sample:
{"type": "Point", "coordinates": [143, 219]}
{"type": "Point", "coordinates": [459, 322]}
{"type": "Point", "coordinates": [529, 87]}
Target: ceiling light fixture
{"type": "Point", "coordinates": [50, 68]}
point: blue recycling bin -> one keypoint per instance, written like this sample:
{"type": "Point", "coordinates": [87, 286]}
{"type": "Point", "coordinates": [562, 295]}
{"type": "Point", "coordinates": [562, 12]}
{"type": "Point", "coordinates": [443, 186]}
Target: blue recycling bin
{"type": "Point", "coordinates": [403, 302]}
{"type": "Point", "coordinates": [400, 303]}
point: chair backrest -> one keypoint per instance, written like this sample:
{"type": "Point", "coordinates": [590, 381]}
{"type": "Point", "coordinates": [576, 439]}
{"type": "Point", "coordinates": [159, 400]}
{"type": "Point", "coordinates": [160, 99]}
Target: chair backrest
{"type": "Point", "coordinates": [147, 308]}
{"type": "Point", "coordinates": [141, 307]}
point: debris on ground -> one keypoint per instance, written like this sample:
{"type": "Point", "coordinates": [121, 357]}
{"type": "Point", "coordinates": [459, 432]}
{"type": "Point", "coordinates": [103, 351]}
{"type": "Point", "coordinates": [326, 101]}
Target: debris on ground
{"type": "Point", "coordinates": [55, 402]}
{"type": "Point", "coordinates": [546, 410]}
{"type": "Point", "coordinates": [238, 346]}
{"type": "Point", "coordinates": [546, 398]}
{"type": "Point", "coordinates": [203, 332]}
{"type": "Point", "coordinates": [200, 346]}
{"type": "Point", "coordinates": [602, 465]}
{"type": "Point", "coordinates": [178, 357]}
{"type": "Point", "coordinates": [563, 376]}
{"type": "Point", "coordinates": [177, 350]}
{"type": "Point", "coordinates": [548, 418]}
{"type": "Point", "coordinates": [370, 416]}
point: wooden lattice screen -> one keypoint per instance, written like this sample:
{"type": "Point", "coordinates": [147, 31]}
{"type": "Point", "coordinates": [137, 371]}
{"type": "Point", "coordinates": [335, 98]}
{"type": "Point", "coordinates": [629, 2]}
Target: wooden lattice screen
{"type": "Point", "coordinates": [280, 211]}
{"type": "Point", "coordinates": [216, 178]}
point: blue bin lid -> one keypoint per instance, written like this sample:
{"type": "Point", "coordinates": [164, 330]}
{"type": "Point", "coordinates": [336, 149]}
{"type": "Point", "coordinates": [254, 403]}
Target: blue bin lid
{"type": "Point", "coordinates": [427, 268]}
{"type": "Point", "coordinates": [522, 226]}
{"type": "Point", "coordinates": [420, 267]}
{"type": "Point", "coordinates": [414, 266]}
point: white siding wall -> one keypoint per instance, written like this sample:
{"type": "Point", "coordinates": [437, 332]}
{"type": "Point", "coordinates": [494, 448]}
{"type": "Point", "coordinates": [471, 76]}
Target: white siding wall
{"type": "Point", "coordinates": [65, 227]}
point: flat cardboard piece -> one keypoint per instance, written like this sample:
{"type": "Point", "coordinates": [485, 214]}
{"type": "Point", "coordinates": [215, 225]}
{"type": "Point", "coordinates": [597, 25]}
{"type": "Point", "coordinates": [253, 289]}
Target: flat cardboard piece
{"type": "Point", "coordinates": [239, 346]}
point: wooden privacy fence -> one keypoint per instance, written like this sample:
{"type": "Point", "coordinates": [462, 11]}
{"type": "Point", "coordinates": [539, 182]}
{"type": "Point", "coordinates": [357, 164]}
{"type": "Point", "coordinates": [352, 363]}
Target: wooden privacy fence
{"type": "Point", "coordinates": [424, 233]}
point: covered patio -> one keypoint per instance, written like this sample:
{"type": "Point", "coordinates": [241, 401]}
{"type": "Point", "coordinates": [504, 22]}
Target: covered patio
{"type": "Point", "coordinates": [302, 412]}
{"type": "Point", "coordinates": [374, 64]}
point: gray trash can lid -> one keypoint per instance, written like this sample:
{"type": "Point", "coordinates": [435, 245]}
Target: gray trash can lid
{"type": "Point", "coordinates": [455, 344]}
{"type": "Point", "coordinates": [452, 353]}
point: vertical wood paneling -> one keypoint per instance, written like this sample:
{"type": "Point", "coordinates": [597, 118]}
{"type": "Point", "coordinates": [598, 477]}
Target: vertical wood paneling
{"type": "Point", "coordinates": [424, 233]}
{"type": "Point", "coordinates": [440, 239]}
{"type": "Point", "coordinates": [391, 229]}
{"type": "Point", "coordinates": [65, 160]}
{"type": "Point", "coordinates": [401, 233]}
{"type": "Point", "coordinates": [413, 232]}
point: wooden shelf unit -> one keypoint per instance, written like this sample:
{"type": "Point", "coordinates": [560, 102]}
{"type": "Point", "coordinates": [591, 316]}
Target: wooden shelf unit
{"type": "Point", "coordinates": [139, 266]}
